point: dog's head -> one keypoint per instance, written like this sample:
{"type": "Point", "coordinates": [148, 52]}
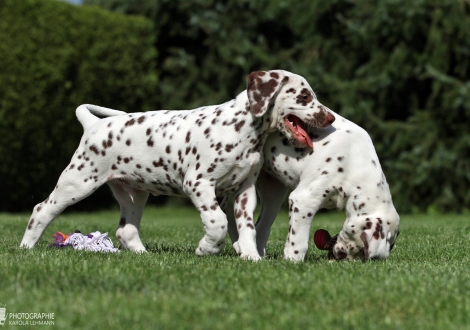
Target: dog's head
{"type": "Point", "coordinates": [295, 106]}
{"type": "Point", "coordinates": [367, 238]}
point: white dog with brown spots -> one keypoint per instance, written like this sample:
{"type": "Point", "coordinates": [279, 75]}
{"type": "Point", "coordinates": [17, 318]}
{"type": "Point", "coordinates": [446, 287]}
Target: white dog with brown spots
{"type": "Point", "coordinates": [201, 153]}
{"type": "Point", "coordinates": [342, 172]}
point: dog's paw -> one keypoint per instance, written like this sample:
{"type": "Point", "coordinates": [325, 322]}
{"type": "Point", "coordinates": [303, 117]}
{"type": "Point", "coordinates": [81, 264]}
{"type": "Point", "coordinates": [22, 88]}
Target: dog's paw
{"type": "Point", "coordinates": [200, 252]}
{"type": "Point", "coordinates": [295, 260]}
{"type": "Point", "coordinates": [205, 249]}
{"type": "Point", "coordinates": [252, 257]}
{"type": "Point", "coordinates": [139, 251]}
{"type": "Point", "coordinates": [294, 255]}
{"type": "Point", "coordinates": [236, 247]}
{"type": "Point", "coordinates": [137, 248]}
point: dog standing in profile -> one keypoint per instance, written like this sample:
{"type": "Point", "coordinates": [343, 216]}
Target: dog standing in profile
{"type": "Point", "coordinates": [342, 172]}
{"type": "Point", "coordinates": [201, 153]}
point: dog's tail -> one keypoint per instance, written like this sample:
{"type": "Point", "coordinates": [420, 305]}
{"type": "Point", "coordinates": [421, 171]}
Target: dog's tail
{"type": "Point", "coordinates": [86, 114]}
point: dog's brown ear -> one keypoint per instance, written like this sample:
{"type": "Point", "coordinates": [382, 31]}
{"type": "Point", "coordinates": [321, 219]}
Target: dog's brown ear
{"type": "Point", "coordinates": [262, 88]}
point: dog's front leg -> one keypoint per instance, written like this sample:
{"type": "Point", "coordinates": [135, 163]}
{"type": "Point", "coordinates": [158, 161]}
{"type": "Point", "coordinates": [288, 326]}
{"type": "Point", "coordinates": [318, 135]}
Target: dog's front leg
{"type": "Point", "coordinates": [303, 204]}
{"type": "Point", "coordinates": [244, 207]}
{"type": "Point", "coordinates": [202, 195]}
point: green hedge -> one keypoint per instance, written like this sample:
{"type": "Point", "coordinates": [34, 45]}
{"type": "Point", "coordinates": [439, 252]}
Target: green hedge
{"type": "Point", "coordinates": [399, 68]}
{"type": "Point", "coordinates": [55, 56]}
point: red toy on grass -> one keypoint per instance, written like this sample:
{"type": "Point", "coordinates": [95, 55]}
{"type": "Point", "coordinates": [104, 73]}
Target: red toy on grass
{"type": "Point", "coordinates": [324, 241]}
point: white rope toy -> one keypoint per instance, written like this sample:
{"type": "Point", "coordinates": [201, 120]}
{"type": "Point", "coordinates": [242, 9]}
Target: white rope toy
{"type": "Point", "coordinates": [96, 242]}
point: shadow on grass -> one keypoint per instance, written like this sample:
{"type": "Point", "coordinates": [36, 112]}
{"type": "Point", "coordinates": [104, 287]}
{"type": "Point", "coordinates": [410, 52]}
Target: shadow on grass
{"type": "Point", "coordinates": [273, 254]}
{"type": "Point", "coordinates": [169, 248]}
{"type": "Point", "coordinates": [185, 249]}
{"type": "Point", "coordinates": [309, 258]}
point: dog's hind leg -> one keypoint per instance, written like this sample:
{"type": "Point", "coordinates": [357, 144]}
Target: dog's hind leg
{"type": "Point", "coordinates": [244, 207]}
{"type": "Point", "coordinates": [271, 193]}
{"type": "Point", "coordinates": [132, 203]}
{"type": "Point", "coordinates": [202, 195]}
{"type": "Point", "coordinates": [232, 225]}
{"type": "Point", "coordinates": [74, 185]}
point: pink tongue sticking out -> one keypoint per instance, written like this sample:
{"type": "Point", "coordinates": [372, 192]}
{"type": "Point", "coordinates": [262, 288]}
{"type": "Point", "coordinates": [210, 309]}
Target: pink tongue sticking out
{"type": "Point", "coordinates": [300, 134]}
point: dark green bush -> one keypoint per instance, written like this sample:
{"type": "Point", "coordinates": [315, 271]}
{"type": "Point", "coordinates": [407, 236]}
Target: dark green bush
{"type": "Point", "coordinates": [206, 48]}
{"type": "Point", "coordinates": [399, 68]}
{"type": "Point", "coordinates": [54, 57]}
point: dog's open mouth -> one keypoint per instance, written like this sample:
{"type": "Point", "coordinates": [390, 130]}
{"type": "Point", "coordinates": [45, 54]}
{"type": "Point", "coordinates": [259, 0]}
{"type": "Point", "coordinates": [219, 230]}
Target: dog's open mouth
{"type": "Point", "coordinates": [298, 129]}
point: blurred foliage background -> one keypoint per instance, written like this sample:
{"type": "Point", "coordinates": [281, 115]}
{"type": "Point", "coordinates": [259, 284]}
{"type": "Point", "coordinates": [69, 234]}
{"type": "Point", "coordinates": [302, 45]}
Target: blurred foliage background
{"type": "Point", "coordinates": [398, 68]}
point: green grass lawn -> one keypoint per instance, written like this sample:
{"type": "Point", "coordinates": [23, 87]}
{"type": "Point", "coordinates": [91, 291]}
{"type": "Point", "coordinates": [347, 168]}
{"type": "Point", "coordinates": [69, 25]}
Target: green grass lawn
{"type": "Point", "coordinates": [425, 284]}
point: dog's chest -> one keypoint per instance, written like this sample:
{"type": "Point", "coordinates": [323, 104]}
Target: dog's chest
{"type": "Point", "coordinates": [283, 161]}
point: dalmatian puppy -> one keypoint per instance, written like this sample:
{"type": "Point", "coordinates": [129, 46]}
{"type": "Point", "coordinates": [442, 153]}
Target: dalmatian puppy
{"type": "Point", "coordinates": [198, 153]}
{"type": "Point", "coordinates": [342, 172]}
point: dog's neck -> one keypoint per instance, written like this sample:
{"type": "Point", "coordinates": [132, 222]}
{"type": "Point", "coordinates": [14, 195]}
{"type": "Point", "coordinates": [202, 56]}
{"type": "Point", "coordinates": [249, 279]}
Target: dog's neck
{"type": "Point", "coordinates": [258, 128]}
